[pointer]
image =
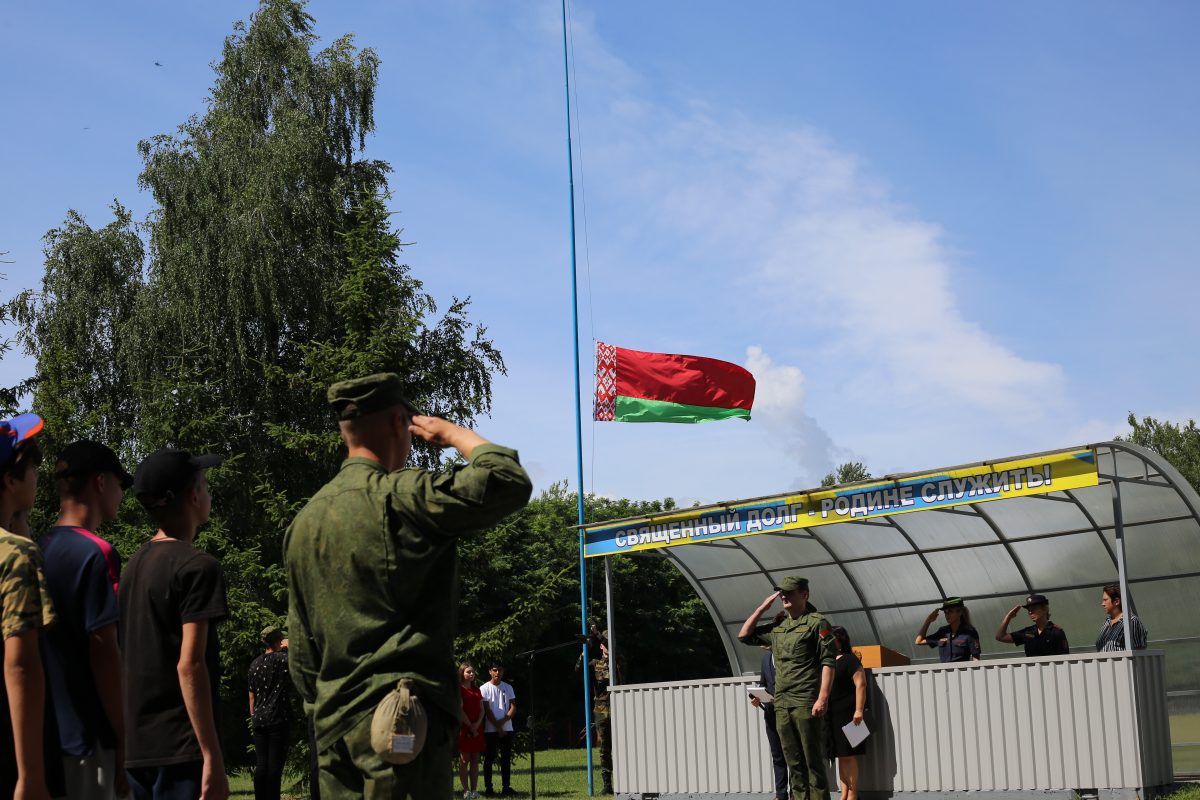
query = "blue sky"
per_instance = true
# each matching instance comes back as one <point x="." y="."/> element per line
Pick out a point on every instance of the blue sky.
<point x="937" y="233"/>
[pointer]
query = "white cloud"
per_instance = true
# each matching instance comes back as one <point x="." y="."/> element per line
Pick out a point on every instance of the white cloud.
<point x="779" y="406"/>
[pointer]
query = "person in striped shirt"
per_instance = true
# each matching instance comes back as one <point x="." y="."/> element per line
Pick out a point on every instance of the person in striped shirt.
<point x="1112" y="632"/>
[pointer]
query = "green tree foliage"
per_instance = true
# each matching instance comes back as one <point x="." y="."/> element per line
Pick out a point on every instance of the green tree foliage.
<point x="850" y="472"/>
<point x="1179" y="444"/>
<point x="520" y="590"/>
<point x="266" y="270"/>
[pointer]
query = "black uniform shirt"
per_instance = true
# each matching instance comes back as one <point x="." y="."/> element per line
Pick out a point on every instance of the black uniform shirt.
<point x="1050" y="642"/>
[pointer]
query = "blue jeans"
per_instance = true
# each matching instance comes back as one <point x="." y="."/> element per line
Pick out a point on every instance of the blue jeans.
<point x="174" y="782"/>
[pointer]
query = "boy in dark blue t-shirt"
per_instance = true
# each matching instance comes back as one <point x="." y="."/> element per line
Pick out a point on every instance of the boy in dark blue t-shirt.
<point x="83" y="660"/>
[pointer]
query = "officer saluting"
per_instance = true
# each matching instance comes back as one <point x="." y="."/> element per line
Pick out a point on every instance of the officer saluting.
<point x="372" y="574"/>
<point x="805" y="655"/>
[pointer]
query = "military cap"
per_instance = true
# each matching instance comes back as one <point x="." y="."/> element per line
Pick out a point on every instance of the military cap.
<point x="1036" y="600"/>
<point x="361" y="396"/>
<point x="792" y="583"/>
<point x="953" y="602"/>
<point x="271" y="633"/>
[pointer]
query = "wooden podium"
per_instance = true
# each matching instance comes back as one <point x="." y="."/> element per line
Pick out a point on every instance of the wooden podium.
<point x="876" y="655"/>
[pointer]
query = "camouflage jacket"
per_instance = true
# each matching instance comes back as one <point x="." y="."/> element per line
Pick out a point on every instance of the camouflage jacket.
<point x="802" y="647"/>
<point x="24" y="598"/>
<point x="373" y="578"/>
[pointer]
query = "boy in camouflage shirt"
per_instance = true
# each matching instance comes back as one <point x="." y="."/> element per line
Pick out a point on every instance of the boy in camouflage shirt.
<point x="25" y="610"/>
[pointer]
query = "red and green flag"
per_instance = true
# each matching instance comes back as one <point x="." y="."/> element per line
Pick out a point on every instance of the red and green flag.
<point x="633" y="386"/>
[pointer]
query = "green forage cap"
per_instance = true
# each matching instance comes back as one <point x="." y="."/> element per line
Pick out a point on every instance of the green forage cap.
<point x="361" y="396"/>
<point x="271" y="633"/>
<point x="793" y="583"/>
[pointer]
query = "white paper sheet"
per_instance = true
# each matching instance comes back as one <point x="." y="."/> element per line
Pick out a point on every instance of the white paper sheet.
<point x="855" y="734"/>
<point x="762" y="694"/>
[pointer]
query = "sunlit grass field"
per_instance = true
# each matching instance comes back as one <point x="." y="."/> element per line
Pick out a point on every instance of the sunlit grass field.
<point x="561" y="774"/>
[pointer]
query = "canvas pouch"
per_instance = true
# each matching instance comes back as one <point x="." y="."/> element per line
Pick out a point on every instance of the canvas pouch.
<point x="399" y="726"/>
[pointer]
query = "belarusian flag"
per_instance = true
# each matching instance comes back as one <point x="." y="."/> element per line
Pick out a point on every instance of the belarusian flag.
<point x="632" y="386"/>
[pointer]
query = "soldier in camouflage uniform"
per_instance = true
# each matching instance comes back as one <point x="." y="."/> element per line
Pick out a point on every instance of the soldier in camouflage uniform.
<point x="25" y="610"/>
<point x="372" y="573"/>
<point x="805" y="654"/>
<point x="600" y="713"/>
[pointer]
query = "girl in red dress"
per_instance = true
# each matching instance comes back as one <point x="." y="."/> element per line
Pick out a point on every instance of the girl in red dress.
<point x="470" y="733"/>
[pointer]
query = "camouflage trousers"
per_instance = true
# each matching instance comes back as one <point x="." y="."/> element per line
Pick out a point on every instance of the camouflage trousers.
<point x="802" y="737"/>
<point x="604" y="741"/>
<point x="351" y="768"/>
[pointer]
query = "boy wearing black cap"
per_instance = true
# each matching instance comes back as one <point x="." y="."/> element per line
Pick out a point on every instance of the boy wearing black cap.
<point x="1043" y="637"/>
<point x="172" y="595"/>
<point x="29" y="763"/>
<point x="83" y="660"/>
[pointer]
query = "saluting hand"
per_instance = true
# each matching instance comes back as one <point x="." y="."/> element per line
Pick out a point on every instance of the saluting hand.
<point x="442" y="433"/>
<point x="1016" y="610"/>
<point x="933" y="615"/>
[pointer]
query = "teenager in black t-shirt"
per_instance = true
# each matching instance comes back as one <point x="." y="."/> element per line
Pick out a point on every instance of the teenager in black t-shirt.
<point x="270" y="713"/>
<point x="172" y="596"/>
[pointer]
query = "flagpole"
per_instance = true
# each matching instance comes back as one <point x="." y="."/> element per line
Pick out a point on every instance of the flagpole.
<point x="583" y="625"/>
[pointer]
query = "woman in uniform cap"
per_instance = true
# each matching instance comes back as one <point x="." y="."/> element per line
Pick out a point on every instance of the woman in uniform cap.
<point x="957" y="640"/>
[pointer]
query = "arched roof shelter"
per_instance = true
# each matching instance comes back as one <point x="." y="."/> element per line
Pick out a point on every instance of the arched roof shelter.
<point x="879" y="575"/>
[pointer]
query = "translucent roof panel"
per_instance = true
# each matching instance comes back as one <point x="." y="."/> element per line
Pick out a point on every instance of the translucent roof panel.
<point x="949" y="528"/>
<point x="1077" y="558"/>
<point x="1166" y="548"/>
<point x="780" y="550"/>
<point x="962" y="572"/>
<point x="896" y="579"/>
<point x="863" y="540"/>
<point x="1022" y="517"/>
<point x="880" y="578"/>
<point x="1141" y="503"/>
<point x="719" y="560"/>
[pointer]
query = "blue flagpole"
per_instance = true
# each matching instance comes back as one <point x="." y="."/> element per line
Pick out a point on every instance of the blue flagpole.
<point x="583" y="625"/>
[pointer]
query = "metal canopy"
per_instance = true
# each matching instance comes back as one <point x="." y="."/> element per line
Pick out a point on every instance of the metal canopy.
<point x="880" y="577"/>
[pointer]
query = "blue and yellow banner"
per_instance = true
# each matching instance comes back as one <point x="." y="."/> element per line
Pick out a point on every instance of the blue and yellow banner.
<point x="1051" y="472"/>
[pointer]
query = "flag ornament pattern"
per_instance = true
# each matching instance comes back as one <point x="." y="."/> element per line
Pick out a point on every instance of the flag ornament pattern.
<point x="635" y="386"/>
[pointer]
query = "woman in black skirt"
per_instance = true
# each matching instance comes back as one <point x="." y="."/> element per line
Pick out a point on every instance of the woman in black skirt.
<point x="847" y="701"/>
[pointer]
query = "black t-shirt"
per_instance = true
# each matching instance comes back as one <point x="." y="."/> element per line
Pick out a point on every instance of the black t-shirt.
<point x="268" y="679"/>
<point x="166" y="584"/>
<point x="1051" y="642"/>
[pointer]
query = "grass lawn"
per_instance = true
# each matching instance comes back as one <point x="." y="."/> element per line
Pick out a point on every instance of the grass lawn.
<point x="561" y="774"/>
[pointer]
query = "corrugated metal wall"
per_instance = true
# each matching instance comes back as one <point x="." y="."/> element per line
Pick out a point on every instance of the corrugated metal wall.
<point x="1083" y="721"/>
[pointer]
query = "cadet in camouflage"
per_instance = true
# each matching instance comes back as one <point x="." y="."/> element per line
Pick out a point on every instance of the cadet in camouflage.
<point x="805" y="655"/>
<point x="25" y="610"/>
<point x="372" y="573"/>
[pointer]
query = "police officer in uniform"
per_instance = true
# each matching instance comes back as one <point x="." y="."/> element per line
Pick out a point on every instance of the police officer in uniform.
<point x="1043" y="637"/>
<point x="372" y="575"/>
<point x="805" y="654"/>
